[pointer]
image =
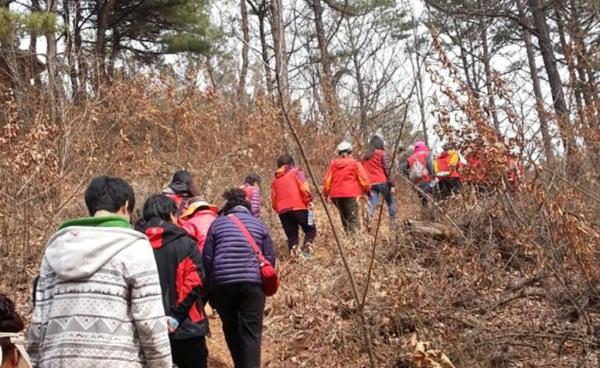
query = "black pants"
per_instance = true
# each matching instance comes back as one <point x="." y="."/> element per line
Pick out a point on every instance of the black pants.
<point x="241" y="310"/>
<point x="293" y="220"/>
<point x="348" y="209"/>
<point x="190" y="353"/>
<point x="448" y="187"/>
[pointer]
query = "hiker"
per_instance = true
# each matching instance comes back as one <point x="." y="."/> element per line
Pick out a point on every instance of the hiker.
<point x="234" y="278"/>
<point x="447" y="168"/>
<point x="197" y="218"/>
<point x="475" y="171"/>
<point x="378" y="169"/>
<point x="515" y="173"/>
<point x="418" y="170"/>
<point x="98" y="296"/>
<point x="12" y="341"/>
<point x="181" y="279"/>
<point x="251" y="186"/>
<point x="181" y="189"/>
<point x="291" y="199"/>
<point x="344" y="181"/>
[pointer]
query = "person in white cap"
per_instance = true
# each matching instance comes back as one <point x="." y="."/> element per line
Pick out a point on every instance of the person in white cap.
<point x="345" y="181"/>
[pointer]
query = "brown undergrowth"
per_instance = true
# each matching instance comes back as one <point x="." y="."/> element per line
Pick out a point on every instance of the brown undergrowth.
<point x="517" y="287"/>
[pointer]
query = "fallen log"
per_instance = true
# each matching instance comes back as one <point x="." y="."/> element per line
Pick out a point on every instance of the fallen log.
<point x="430" y="229"/>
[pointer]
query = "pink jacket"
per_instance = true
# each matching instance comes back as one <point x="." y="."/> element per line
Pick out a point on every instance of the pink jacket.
<point x="198" y="225"/>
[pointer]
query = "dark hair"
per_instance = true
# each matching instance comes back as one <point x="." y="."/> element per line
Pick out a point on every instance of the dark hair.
<point x="10" y="321"/>
<point x="285" y="160"/>
<point x="252" y="179"/>
<point x="109" y="194"/>
<point x="234" y="197"/>
<point x="375" y="143"/>
<point x="159" y="206"/>
<point x="183" y="183"/>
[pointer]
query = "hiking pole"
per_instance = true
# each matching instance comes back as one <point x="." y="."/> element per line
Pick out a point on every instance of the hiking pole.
<point x="363" y="318"/>
<point x="380" y="215"/>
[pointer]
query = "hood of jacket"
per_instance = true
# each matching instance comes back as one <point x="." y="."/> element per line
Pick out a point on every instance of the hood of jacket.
<point x="420" y="146"/>
<point x="81" y="247"/>
<point x="283" y="170"/>
<point x="161" y="232"/>
<point x="342" y="162"/>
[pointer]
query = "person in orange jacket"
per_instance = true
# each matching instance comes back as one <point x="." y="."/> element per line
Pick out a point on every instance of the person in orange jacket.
<point x="291" y="199"/>
<point x="447" y="167"/>
<point x="197" y="218"/>
<point x="345" y="181"/>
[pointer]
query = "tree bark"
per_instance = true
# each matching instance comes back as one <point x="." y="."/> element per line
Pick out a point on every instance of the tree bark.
<point x="104" y="11"/>
<point x="331" y="104"/>
<point x="362" y="98"/>
<point x="78" y="50"/>
<point x="54" y="84"/>
<point x="537" y="89"/>
<point x="281" y="69"/>
<point x="69" y="48"/>
<point x="488" y="77"/>
<point x="260" y="10"/>
<point x="539" y="21"/>
<point x="241" y="92"/>
<point x="35" y="6"/>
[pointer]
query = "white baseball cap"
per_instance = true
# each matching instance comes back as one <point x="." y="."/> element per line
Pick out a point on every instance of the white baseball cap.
<point x="344" y="146"/>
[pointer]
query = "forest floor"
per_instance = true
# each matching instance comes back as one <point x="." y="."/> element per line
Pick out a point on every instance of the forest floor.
<point x="471" y="299"/>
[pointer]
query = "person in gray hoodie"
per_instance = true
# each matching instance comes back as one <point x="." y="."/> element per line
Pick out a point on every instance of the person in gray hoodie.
<point x="98" y="298"/>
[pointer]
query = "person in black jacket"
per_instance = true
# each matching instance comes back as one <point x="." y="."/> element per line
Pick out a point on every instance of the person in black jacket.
<point x="181" y="279"/>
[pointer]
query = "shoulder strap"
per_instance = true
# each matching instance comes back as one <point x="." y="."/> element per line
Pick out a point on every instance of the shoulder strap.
<point x="250" y="238"/>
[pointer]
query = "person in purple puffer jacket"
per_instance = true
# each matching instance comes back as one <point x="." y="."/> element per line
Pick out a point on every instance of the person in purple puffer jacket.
<point x="233" y="276"/>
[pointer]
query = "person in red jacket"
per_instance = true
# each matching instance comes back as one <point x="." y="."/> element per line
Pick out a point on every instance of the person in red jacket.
<point x="251" y="186"/>
<point x="418" y="170"/>
<point x="197" y="218"/>
<point x="182" y="279"/>
<point x="378" y="169"/>
<point x="345" y="181"/>
<point x="291" y="199"/>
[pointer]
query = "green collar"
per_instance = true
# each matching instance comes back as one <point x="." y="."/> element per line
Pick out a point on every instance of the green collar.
<point x="102" y="221"/>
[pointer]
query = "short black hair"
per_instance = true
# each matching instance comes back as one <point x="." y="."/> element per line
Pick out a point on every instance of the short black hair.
<point x="252" y="179"/>
<point x="159" y="206"/>
<point x="109" y="193"/>
<point x="234" y="197"/>
<point x="285" y="160"/>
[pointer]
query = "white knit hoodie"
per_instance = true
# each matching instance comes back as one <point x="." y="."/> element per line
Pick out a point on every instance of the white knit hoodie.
<point x="98" y="302"/>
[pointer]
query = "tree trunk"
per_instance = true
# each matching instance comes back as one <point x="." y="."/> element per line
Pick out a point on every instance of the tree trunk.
<point x="53" y="80"/>
<point x="78" y="50"/>
<point x="69" y="48"/>
<point x="362" y="98"/>
<point x="488" y="77"/>
<point x="558" y="97"/>
<point x="281" y="70"/>
<point x="261" y="13"/>
<point x="332" y="109"/>
<point x="241" y="92"/>
<point x="35" y="6"/>
<point x="583" y="66"/>
<point x="104" y="11"/>
<point x="537" y="89"/>
<point x="570" y="60"/>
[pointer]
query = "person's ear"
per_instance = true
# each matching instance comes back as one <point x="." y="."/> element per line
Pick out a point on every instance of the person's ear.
<point x="173" y="218"/>
<point x="13" y="358"/>
<point x="124" y="210"/>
